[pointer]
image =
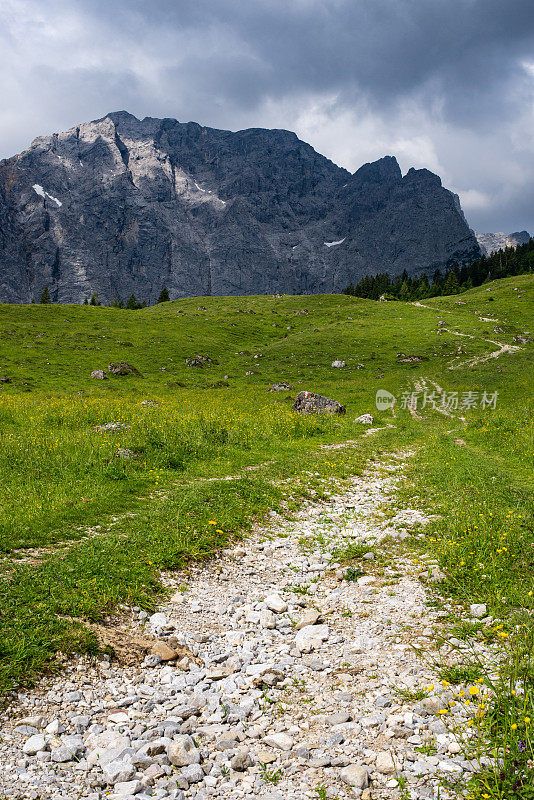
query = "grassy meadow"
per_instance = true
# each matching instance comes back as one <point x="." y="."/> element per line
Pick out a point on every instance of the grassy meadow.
<point x="83" y="530"/>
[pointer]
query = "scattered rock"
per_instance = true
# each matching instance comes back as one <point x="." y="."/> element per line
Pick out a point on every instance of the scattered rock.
<point x="403" y="359"/>
<point x="99" y="375"/>
<point x="311" y="637"/>
<point x="241" y="761"/>
<point x="385" y="764"/>
<point x="310" y="617"/>
<point x="199" y="360"/>
<point x="355" y="775"/>
<point x="281" y="387"/>
<point x="309" y="402"/>
<point x="193" y="773"/>
<point x="364" y="419"/>
<point x="478" y="610"/>
<point x="268" y="620"/>
<point x="118" y="771"/>
<point x="165" y="652"/>
<point x="338" y="364"/>
<point x="275" y="603"/>
<point x="35" y="744"/>
<point x="112" y="427"/>
<point x="120" y="368"/>
<point x="123" y="452"/>
<point x="282" y="741"/>
<point x="182" y="752"/>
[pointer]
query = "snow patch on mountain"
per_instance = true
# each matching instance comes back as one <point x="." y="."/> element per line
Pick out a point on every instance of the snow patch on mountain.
<point x="38" y="189"/>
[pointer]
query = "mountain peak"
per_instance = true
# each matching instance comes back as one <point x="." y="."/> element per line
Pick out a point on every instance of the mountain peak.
<point x="123" y="205"/>
<point x="385" y="169"/>
<point x="121" y="116"/>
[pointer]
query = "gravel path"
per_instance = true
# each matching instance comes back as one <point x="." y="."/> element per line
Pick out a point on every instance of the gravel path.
<point x="273" y="676"/>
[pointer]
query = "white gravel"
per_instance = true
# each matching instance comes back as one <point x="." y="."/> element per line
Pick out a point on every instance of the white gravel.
<point x="275" y="709"/>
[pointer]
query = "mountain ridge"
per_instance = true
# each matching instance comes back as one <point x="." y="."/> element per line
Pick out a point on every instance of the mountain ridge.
<point x="125" y="206"/>
<point x="492" y="242"/>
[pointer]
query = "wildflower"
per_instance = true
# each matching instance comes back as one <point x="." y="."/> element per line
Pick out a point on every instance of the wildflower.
<point x="212" y="522"/>
<point x="527" y="720"/>
<point x="513" y="726"/>
<point x="473" y="690"/>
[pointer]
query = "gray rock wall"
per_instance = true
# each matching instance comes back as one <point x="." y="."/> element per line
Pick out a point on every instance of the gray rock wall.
<point x="122" y="205"/>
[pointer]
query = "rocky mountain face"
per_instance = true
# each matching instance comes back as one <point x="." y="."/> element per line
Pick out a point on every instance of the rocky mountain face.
<point x="492" y="242"/>
<point x="122" y="205"/>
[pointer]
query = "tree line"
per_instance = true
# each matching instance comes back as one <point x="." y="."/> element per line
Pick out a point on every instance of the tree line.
<point x="131" y="304"/>
<point x="456" y="279"/>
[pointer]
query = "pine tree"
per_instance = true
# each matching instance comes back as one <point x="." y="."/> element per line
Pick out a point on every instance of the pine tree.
<point x="85" y="301"/>
<point x="131" y="303"/>
<point x="404" y="292"/>
<point x="94" y="301"/>
<point x="45" y="296"/>
<point x="164" y="296"/>
<point x="451" y="285"/>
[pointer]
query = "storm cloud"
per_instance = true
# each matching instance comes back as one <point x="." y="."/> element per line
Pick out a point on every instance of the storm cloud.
<point x="445" y="84"/>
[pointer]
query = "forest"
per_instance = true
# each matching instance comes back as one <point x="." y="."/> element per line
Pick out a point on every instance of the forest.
<point x="458" y="278"/>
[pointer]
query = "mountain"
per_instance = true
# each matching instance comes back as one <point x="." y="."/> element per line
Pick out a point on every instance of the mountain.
<point x="123" y="205"/>
<point x="491" y="242"/>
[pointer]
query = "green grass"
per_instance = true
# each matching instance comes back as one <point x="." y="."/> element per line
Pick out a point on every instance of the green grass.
<point x="482" y="490"/>
<point x="97" y="528"/>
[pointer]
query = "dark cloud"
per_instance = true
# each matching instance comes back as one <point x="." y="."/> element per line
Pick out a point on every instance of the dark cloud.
<point x="440" y="82"/>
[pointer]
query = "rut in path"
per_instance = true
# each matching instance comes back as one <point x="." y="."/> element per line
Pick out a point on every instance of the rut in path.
<point x="472" y="362"/>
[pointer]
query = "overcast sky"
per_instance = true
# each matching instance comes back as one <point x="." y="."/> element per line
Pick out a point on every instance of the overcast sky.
<point x="442" y="84"/>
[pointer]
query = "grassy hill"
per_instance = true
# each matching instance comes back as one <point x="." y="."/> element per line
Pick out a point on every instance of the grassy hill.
<point x="54" y="348"/>
<point x="83" y="529"/>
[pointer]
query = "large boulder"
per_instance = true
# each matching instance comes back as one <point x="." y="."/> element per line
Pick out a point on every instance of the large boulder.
<point x="309" y="402"/>
<point x="122" y="368"/>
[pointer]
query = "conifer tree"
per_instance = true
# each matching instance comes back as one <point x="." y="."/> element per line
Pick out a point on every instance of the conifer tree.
<point x="45" y="296"/>
<point x="164" y="296"/>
